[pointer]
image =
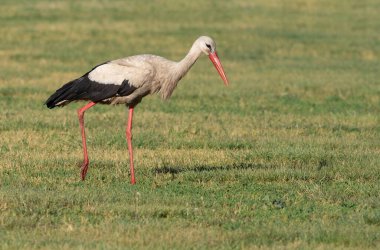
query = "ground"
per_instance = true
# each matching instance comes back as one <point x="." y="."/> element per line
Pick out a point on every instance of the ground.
<point x="287" y="156"/>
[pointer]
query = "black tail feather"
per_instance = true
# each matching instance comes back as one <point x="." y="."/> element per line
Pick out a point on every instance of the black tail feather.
<point x="63" y="94"/>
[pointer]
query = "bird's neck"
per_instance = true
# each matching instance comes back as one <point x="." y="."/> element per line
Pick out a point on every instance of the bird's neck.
<point x="178" y="71"/>
<point x="188" y="61"/>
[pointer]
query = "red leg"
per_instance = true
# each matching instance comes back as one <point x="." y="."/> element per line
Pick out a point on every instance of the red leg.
<point x="85" y="163"/>
<point x="128" y="133"/>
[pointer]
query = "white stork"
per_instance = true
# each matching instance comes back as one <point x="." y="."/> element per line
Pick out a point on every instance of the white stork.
<point x="127" y="81"/>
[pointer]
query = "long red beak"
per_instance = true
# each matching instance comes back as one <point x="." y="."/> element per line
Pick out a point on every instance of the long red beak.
<point x="215" y="60"/>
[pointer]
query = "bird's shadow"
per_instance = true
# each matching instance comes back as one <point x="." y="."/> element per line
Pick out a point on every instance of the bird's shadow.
<point x="209" y="168"/>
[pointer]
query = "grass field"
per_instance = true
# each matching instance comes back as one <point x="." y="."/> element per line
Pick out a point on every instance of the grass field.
<point x="288" y="156"/>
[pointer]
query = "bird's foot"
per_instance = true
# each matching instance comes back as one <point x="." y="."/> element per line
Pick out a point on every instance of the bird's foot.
<point x="84" y="169"/>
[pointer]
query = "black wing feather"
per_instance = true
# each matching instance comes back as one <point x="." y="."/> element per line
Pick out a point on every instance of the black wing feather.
<point x="85" y="89"/>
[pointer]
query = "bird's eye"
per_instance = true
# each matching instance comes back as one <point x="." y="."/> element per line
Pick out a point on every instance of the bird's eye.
<point x="208" y="46"/>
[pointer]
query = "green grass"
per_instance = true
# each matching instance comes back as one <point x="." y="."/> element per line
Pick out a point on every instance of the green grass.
<point x="286" y="157"/>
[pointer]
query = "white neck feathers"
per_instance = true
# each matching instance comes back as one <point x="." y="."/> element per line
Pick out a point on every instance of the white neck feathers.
<point x="179" y="70"/>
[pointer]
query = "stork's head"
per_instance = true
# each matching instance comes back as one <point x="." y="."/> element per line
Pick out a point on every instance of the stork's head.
<point x="206" y="44"/>
<point x="208" y="47"/>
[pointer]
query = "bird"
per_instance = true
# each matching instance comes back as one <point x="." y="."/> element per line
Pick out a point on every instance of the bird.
<point x="126" y="81"/>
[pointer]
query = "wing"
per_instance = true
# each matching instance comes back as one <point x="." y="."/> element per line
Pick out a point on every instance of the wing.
<point x="111" y="79"/>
